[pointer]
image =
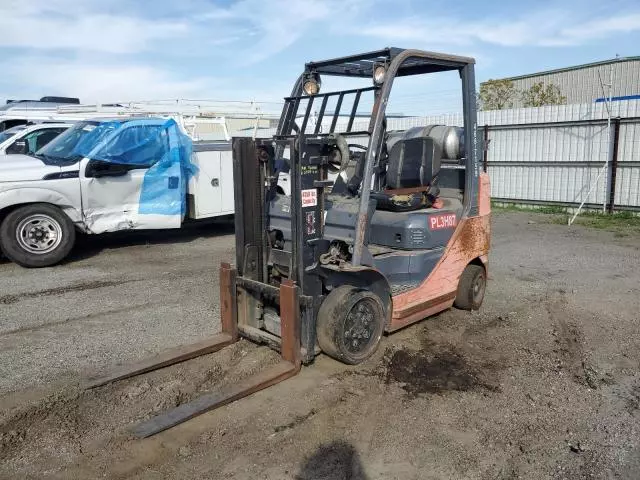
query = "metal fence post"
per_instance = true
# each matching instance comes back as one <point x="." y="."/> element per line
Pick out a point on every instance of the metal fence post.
<point x="485" y="148"/>
<point x="613" y="168"/>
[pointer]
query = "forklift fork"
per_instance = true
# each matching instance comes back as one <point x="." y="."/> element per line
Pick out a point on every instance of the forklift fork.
<point x="286" y="368"/>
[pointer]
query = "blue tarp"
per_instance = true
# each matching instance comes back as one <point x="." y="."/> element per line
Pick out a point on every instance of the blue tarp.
<point x="156" y="144"/>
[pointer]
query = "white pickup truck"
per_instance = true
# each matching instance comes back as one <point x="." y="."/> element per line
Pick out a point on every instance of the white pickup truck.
<point x="27" y="139"/>
<point x="104" y="176"/>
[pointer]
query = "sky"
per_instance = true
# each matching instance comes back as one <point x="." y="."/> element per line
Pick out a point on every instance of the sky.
<point x="253" y="50"/>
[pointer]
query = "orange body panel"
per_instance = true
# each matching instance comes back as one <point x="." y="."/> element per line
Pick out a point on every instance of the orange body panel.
<point x="484" y="195"/>
<point x="470" y="240"/>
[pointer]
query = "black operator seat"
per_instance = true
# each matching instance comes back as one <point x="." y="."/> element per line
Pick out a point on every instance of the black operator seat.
<point x="412" y="167"/>
<point x="405" y="217"/>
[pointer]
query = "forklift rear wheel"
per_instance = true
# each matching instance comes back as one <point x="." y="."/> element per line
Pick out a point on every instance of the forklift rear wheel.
<point x="350" y="324"/>
<point x="471" y="288"/>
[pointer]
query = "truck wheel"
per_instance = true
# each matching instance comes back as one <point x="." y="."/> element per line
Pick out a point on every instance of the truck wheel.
<point x="350" y="324"/>
<point x="37" y="235"/>
<point x="471" y="287"/>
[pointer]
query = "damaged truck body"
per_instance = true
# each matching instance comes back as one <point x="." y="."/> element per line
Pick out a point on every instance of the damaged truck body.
<point x="105" y="176"/>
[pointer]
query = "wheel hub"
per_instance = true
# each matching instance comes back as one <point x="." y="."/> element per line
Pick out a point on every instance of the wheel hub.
<point x="39" y="234"/>
<point x="359" y="326"/>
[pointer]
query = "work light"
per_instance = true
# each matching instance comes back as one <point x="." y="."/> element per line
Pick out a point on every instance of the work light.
<point x="379" y="72"/>
<point x="311" y="85"/>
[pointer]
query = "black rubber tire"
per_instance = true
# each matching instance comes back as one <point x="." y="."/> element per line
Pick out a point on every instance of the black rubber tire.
<point x="471" y="288"/>
<point x="333" y="319"/>
<point x="16" y="253"/>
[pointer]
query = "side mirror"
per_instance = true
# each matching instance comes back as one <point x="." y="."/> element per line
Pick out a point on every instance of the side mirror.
<point x="98" y="169"/>
<point x="18" y="147"/>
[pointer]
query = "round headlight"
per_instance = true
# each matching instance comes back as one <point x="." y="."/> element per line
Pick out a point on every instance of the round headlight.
<point x="311" y="83"/>
<point x="378" y="74"/>
<point x="311" y="87"/>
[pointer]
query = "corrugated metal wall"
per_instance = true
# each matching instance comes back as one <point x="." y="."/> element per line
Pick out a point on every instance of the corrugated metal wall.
<point x="556" y="154"/>
<point x="551" y="154"/>
<point x="585" y="84"/>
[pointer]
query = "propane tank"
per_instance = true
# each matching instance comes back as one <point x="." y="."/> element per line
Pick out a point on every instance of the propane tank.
<point x="450" y="140"/>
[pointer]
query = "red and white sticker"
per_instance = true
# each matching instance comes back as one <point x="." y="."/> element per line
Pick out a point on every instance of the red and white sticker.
<point x="442" y="221"/>
<point x="309" y="197"/>
<point x="311" y="222"/>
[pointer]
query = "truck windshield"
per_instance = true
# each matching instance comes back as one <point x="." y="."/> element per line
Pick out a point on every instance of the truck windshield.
<point x="72" y="145"/>
<point x="7" y="134"/>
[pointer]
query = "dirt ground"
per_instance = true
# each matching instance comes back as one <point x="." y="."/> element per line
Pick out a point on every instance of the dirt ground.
<point x="542" y="383"/>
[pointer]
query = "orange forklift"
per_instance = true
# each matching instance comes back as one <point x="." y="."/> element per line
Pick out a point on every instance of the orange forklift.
<point x="382" y="228"/>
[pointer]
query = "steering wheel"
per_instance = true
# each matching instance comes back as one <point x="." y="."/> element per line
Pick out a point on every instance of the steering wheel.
<point x="355" y="145"/>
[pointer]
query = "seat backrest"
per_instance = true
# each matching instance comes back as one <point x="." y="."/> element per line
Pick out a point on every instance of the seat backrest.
<point x="413" y="162"/>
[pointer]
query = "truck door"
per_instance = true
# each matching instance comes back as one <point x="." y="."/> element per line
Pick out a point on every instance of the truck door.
<point x="212" y="186"/>
<point x="133" y="181"/>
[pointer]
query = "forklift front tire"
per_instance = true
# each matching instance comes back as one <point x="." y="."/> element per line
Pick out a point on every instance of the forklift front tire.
<point x="350" y="324"/>
<point x="471" y="287"/>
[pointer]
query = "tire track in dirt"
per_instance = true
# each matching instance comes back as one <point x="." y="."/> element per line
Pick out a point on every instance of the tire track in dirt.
<point x="85" y="422"/>
<point x="89" y="316"/>
<point x="78" y="287"/>
<point x="570" y="341"/>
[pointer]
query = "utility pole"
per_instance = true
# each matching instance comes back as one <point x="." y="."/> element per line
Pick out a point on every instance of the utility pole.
<point x="607" y="186"/>
<point x="606" y="168"/>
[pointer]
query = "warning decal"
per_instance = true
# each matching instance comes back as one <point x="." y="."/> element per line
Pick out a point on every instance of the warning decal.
<point x="311" y="222"/>
<point x="442" y="221"/>
<point x="309" y="197"/>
